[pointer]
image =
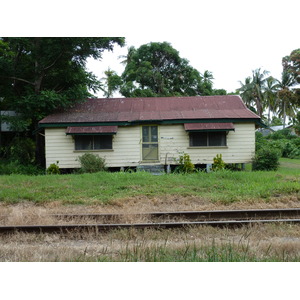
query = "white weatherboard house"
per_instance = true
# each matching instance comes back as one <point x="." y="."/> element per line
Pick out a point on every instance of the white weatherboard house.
<point x="138" y="132"/>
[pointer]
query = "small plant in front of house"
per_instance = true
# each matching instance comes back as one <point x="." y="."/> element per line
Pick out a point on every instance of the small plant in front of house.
<point x="91" y="163"/>
<point x="53" y="169"/>
<point x="218" y="164"/>
<point x="185" y="164"/>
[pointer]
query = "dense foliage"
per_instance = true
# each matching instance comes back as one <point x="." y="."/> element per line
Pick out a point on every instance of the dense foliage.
<point x="283" y="141"/>
<point x="156" y="70"/>
<point x="40" y="75"/>
<point x="268" y="96"/>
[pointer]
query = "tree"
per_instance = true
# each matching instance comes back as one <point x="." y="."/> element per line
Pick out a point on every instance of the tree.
<point x="112" y="83"/>
<point x="41" y="75"/>
<point x="156" y="69"/>
<point x="285" y="94"/>
<point x="258" y="82"/>
<point x="291" y="64"/>
<point x="245" y="91"/>
<point x="253" y="90"/>
<point x="270" y="96"/>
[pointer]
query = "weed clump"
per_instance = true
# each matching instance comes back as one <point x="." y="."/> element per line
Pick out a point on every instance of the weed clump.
<point x="218" y="164"/>
<point x="185" y="164"/>
<point x="53" y="169"/>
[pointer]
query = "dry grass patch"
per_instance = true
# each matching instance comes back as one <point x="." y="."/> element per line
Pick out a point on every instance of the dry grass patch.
<point x="257" y="243"/>
<point x="28" y="213"/>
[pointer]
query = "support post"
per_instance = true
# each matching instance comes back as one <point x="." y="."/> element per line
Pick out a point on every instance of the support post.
<point x="208" y="168"/>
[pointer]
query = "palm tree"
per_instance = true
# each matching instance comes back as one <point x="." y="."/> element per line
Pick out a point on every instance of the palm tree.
<point x="127" y="58"/>
<point x="208" y="77"/>
<point x="245" y="92"/>
<point x="258" y="83"/>
<point x="253" y="90"/>
<point x="270" y="94"/>
<point x="286" y="107"/>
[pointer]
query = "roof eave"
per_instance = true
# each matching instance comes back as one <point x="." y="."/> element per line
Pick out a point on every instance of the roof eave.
<point x="161" y="122"/>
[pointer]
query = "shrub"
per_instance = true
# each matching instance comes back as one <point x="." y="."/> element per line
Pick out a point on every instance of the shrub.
<point x="185" y="164"/>
<point x="266" y="159"/>
<point x="22" y="150"/>
<point x="91" y="163"/>
<point x="218" y="164"/>
<point x="53" y="169"/>
<point x="14" y="167"/>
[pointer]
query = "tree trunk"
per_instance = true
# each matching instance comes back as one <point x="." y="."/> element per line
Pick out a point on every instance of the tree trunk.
<point x="40" y="150"/>
<point x="284" y="114"/>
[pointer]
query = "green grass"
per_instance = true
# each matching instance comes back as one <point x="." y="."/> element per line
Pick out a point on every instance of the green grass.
<point x="103" y="187"/>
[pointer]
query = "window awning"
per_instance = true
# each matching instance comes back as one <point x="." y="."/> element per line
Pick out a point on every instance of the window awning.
<point x="94" y="130"/>
<point x="208" y="127"/>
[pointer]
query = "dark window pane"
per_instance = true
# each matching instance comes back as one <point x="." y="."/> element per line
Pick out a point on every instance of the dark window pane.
<point x="83" y="142"/>
<point x="102" y="142"/>
<point x="217" y="139"/>
<point x="198" y="139"/>
<point x="154" y="136"/>
<point x="204" y="139"/>
<point x="146" y="137"/>
<point x="90" y="142"/>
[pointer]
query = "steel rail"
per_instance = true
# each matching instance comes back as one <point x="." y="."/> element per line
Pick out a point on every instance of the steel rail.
<point x="192" y="215"/>
<point x="107" y="227"/>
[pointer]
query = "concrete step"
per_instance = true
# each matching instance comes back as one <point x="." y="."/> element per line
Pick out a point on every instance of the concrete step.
<point x="153" y="169"/>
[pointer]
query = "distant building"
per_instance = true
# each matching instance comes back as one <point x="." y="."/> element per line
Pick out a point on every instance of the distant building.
<point x="5" y="126"/>
<point x="272" y="129"/>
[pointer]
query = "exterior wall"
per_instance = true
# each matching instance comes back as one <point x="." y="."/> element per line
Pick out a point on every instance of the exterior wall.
<point x="240" y="145"/>
<point x="173" y="142"/>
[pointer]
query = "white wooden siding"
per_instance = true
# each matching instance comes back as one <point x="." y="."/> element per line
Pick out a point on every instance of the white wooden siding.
<point x="173" y="142"/>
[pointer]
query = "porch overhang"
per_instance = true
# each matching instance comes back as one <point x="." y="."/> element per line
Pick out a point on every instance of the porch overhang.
<point x="92" y="130"/>
<point x="208" y="127"/>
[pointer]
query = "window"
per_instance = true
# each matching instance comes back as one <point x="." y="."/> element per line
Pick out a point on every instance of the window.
<point x="93" y="142"/>
<point x="207" y="139"/>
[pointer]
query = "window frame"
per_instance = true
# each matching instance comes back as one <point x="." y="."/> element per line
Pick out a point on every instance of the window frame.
<point x="92" y="137"/>
<point x="209" y="135"/>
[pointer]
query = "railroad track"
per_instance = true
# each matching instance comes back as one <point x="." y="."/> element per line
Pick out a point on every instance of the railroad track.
<point x="165" y="220"/>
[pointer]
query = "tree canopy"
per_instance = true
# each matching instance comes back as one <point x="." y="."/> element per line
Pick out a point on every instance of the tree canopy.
<point x="156" y="69"/>
<point x="279" y="97"/>
<point x="40" y="75"/>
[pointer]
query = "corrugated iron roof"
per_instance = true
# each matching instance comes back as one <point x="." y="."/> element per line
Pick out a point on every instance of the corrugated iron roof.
<point x="208" y="126"/>
<point x="92" y="130"/>
<point x="147" y="109"/>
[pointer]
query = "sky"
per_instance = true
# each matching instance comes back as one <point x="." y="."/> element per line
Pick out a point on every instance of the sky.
<point x="228" y="38"/>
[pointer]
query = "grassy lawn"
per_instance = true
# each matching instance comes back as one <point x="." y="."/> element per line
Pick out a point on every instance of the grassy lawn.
<point x="224" y="187"/>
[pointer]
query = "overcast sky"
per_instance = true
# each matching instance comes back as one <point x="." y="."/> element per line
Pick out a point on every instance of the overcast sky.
<point x="228" y="38"/>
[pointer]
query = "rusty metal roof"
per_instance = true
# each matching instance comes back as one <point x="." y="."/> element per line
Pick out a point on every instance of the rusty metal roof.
<point x="208" y="126"/>
<point x="116" y="110"/>
<point x="92" y="130"/>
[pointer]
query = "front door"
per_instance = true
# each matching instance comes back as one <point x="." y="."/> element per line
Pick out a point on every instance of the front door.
<point x="149" y="143"/>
